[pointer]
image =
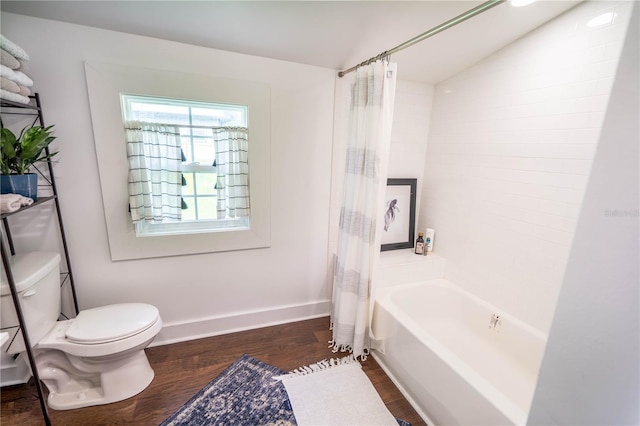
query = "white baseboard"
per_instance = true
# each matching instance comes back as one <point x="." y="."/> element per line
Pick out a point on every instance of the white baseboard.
<point x="214" y="326"/>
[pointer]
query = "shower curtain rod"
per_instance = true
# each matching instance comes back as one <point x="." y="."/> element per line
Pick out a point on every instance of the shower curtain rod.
<point x="433" y="31"/>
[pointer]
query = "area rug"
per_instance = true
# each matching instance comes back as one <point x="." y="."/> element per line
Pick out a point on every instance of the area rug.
<point x="243" y="394"/>
<point x="247" y="394"/>
<point x="335" y="392"/>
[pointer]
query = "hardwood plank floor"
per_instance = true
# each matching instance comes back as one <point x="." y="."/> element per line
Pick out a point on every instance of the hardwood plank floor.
<point x="182" y="369"/>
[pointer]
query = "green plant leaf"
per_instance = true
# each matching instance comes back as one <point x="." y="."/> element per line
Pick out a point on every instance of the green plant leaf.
<point x="18" y="154"/>
<point x="7" y="149"/>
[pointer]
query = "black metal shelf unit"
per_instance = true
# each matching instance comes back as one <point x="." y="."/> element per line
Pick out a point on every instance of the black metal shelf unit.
<point x="33" y="109"/>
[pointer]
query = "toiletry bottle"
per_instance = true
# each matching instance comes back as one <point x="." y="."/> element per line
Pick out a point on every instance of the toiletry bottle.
<point x="420" y="244"/>
<point x="428" y="247"/>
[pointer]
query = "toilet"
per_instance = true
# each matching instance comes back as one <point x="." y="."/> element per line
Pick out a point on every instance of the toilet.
<point x="96" y="358"/>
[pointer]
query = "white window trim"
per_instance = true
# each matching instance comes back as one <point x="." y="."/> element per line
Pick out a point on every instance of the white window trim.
<point x="150" y="229"/>
<point x="105" y="82"/>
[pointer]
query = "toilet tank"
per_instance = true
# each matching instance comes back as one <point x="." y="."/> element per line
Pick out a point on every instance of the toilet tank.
<point x="37" y="280"/>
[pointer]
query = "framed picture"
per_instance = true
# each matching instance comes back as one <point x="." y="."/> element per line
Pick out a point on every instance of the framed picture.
<point x="399" y="215"/>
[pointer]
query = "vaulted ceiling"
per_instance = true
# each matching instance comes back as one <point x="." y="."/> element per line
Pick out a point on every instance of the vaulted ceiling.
<point x="330" y="34"/>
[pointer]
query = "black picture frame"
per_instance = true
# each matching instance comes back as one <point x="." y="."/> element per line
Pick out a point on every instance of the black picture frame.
<point x="399" y="219"/>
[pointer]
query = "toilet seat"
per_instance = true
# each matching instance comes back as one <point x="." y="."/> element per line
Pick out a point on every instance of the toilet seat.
<point x="57" y="339"/>
<point x="111" y="323"/>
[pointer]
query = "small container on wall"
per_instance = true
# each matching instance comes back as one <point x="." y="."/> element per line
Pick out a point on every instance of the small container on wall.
<point x="428" y="245"/>
<point x="420" y="244"/>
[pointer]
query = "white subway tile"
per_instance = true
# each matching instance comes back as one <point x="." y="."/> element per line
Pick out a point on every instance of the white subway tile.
<point x="592" y="103"/>
<point x="598" y="70"/>
<point x="603" y="86"/>
<point x="595" y="53"/>
<point x="511" y="144"/>
<point x="585" y="135"/>
<point x="612" y="51"/>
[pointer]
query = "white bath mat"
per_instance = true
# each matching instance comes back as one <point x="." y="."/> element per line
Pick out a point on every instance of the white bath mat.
<point x="335" y="392"/>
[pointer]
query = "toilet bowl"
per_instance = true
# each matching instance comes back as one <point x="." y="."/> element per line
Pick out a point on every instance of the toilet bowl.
<point x="97" y="357"/>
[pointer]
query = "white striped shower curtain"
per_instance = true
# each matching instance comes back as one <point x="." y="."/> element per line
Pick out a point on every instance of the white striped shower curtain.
<point x="370" y="118"/>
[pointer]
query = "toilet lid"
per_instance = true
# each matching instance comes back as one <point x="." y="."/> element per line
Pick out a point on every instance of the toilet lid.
<point x="110" y="323"/>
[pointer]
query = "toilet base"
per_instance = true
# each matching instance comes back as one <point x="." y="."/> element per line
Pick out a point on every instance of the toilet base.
<point x="111" y="381"/>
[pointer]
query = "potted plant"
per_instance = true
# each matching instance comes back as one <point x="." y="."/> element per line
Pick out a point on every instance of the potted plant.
<point x="18" y="155"/>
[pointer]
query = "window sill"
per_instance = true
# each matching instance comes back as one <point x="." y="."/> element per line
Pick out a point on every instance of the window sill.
<point x="145" y="229"/>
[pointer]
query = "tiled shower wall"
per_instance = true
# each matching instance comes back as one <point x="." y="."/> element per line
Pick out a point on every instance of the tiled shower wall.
<point x="409" y="132"/>
<point x="510" y="149"/>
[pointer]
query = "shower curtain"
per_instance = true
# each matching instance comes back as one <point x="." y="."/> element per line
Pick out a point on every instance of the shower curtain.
<point x="358" y="245"/>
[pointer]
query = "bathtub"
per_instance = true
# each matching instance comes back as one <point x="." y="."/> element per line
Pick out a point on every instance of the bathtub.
<point x="457" y="359"/>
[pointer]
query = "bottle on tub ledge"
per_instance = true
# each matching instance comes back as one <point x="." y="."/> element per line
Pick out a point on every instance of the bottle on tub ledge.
<point x="420" y="248"/>
<point x="428" y="245"/>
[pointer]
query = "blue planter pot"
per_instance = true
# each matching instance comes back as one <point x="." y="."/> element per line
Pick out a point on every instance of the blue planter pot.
<point x="25" y="185"/>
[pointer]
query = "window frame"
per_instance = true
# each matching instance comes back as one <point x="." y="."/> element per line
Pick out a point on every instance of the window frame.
<point x="105" y="81"/>
<point x="188" y="226"/>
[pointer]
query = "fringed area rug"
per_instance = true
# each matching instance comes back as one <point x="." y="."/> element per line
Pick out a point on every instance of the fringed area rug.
<point x="336" y="392"/>
<point x="247" y="394"/>
<point x="243" y="394"/>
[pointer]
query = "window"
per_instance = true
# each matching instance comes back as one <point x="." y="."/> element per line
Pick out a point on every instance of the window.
<point x="105" y="84"/>
<point x="199" y="125"/>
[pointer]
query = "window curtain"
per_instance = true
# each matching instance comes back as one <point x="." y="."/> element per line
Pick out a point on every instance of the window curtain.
<point x="358" y="248"/>
<point x="232" y="166"/>
<point x="155" y="175"/>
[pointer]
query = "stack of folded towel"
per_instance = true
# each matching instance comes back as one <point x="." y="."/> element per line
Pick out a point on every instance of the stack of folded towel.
<point x="14" y="82"/>
<point x="11" y="202"/>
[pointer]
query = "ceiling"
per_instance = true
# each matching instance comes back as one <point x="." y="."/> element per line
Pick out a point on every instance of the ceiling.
<point x="330" y="34"/>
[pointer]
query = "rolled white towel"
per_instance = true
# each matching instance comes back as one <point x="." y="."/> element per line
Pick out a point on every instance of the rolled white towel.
<point x="12" y="202"/>
<point x="15" y="97"/>
<point x="17" y="76"/>
<point x="9" y="85"/>
<point x="24" y="66"/>
<point x="23" y="79"/>
<point x="24" y="91"/>
<point x="7" y="59"/>
<point x="15" y="50"/>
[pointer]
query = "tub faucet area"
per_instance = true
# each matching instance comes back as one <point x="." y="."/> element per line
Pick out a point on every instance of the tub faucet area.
<point x="495" y="321"/>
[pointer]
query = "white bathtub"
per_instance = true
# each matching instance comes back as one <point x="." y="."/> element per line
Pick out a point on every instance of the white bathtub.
<point x="452" y="359"/>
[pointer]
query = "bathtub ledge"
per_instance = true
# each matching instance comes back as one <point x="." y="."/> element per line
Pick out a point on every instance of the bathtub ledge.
<point x="404" y="266"/>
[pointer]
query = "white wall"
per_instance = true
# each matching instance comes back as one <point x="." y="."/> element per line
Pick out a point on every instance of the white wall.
<point x="199" y="294"/>
<point x="590" y="374"/>
<point x="510" y="150"/>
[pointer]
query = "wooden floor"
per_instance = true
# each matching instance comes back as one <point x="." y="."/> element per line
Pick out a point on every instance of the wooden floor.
<point x="182" y="369"/>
